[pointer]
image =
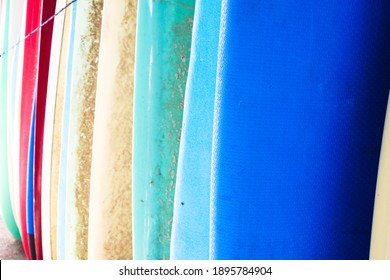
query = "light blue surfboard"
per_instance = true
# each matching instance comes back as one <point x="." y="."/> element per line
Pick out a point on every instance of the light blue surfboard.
<point x="190" y="232"/>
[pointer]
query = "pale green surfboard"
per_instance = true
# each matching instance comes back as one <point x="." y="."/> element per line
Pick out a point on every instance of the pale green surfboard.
<point x="110" y="194"/>
<point x="82" y="113"/>
<point x="15" y="67"/>
<point x="5" y="198"/>
<point x="162" y="56"/>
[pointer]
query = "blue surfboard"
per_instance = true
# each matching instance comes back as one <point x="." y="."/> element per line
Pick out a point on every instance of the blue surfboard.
<point x="190" y="232"/>
<point x="300" y="107"/>
<point x="30" y="185"/>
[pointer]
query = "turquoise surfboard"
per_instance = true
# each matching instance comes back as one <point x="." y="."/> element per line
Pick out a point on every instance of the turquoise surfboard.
<point x="162" y="57"/>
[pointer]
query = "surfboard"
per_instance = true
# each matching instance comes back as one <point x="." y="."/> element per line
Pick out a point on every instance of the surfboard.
<point x="49" y="128"/>
<point x="62" y="184"/>
<point x="30" y="184"/>
<point x="82" y="113"/>
<point x="48" y="10"/>
<point x="30" y="71"/>
<point x="57" y="129"/>
<point x="110" y="211"/>
<point x="17" y="24"/>
<point x="380" y="236"/>
<point x="162" y="57"/>
<point x="190" y="235"/>
<point x="16" y="113"/>
<point x="5" y="197"/>
<point x="297" y="129"/>
<point x="1" y="38"/>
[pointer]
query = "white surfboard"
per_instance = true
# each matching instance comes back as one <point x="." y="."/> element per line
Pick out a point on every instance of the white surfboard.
<point x="380" y="236"/>
<point x="82" y="112"/>
<point x="49" y="127"/>
<point x="17" y="113"/>
<point x="110" y="215"/>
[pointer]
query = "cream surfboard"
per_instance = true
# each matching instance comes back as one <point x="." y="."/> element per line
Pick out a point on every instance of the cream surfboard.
<point x="110" y="218"/>
<point x="82" y="111"/>
<point x="62" y="184"/>
<point x="57" y="130"/>
<point x="380" y="236"/>
<point x="49" y="126"/>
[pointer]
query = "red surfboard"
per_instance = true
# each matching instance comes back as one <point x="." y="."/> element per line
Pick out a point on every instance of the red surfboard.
<point x="30" y="72"/>
<point x="48" y="10"/>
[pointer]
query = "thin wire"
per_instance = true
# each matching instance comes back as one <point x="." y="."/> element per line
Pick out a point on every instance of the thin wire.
<point x="36" y="29"/>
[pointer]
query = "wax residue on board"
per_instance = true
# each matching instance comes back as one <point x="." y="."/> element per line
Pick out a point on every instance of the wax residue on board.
<point x="171" y="121"/>
<point x="90" y="46"/>
<point x="118" y="217"/>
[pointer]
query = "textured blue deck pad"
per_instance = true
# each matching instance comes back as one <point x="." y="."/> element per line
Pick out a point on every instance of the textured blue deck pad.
<point x="190" y="233"/>
<point x="300" y="107"/>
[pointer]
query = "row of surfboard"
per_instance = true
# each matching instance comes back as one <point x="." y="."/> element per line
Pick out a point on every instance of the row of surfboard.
<point x="256" y="131"/>
<point x="50" y="96"/>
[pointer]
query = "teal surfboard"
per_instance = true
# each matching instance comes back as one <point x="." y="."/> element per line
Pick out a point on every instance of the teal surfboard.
<point x="162" y="57"/>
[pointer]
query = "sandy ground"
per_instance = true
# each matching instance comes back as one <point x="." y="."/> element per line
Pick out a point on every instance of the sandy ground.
<point x="10" y="248"/>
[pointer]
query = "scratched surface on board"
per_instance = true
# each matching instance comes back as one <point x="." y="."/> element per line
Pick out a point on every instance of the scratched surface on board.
<point x="82" y="108"/>
<point x="110" y="235"/>
<point x="162" y="65"/>
<point x="117" y="245"/>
